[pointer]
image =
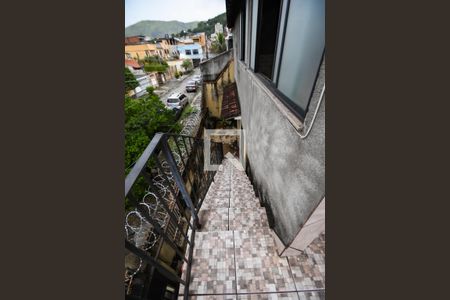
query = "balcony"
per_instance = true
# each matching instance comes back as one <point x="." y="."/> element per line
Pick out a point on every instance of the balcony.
<point x="196" y="234"/>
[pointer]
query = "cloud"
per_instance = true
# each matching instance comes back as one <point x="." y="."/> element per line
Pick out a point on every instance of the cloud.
<point x="169" y="10"/>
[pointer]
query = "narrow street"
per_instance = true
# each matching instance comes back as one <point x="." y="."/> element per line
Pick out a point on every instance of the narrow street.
<point x="177" y="86"/>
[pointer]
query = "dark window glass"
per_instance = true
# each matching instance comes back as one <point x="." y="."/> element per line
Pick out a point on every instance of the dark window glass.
<point x="303" y="48"/>
<point x="195" y="51"/>
<point x="188" y="52"/>
<point x="268" y="20"/>
<point x="242" y="25"/>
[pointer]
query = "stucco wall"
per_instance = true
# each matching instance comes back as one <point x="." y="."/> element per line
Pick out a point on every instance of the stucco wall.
<point x="288" y="172"/>
<point x="217" y="73"/>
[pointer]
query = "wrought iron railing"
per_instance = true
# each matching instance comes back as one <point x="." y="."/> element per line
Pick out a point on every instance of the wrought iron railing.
<point x="164" y="191"/>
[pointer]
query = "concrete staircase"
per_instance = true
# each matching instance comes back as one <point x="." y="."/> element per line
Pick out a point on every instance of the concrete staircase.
<point x="235" y="255"/>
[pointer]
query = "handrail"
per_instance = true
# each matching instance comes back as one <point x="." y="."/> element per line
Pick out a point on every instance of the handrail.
<point x="170" y="161"/>
<point x="141" y="162"/>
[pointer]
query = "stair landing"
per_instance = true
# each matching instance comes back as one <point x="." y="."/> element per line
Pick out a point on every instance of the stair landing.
<point x="235" y="255"/>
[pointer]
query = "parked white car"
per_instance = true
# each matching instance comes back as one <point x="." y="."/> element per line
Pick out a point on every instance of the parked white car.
<point x="177" y="101"/>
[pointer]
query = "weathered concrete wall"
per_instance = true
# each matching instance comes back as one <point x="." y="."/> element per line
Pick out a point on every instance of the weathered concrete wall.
<point x="212" y="67"/>
<point x="287" y="171"/>
<point x="217" y="73"/>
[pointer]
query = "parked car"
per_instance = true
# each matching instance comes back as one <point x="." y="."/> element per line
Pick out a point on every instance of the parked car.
<point x="191" y="86"/>
<point x="197" y="79"/>
<point x="177" y="101"/>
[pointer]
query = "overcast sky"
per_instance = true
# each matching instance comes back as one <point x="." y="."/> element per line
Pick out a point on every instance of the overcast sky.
<point x="169" y="10"/>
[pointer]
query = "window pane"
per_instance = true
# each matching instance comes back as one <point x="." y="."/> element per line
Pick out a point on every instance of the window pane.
<point x="254" y="20"/>
<point x="267" y="36"/>
<point x="304" y="44"/>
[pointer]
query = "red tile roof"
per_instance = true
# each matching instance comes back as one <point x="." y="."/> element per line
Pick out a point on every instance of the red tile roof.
<point x="132" y="40"/>
<point x="230" y="102"/>
<point x="132" y="63"/>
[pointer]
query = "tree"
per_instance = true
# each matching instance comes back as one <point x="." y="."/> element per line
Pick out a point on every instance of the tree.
<point x="143" y="118"/>
<point x="219" y="45"/>
<point x="187" y="64"/>
<point x="130" y="81"/>
<point x="155" y="64"/>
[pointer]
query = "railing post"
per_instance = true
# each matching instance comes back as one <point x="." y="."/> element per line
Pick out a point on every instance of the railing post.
<point x="179" y="180"/>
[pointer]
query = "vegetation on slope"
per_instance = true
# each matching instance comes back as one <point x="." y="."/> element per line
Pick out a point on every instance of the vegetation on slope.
<point x="155" y="29"/>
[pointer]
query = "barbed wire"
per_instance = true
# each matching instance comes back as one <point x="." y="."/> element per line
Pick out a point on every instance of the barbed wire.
<point x="137" y="228"/>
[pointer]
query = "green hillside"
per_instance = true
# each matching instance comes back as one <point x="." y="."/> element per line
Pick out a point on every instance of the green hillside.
<point x="208" y="26"/>
<point x="156" y="29"/>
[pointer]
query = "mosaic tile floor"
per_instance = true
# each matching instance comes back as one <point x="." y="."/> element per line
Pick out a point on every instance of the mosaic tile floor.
<point x="235" y="255"/>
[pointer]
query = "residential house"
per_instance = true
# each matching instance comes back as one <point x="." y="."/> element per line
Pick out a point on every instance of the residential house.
<point x="140" y="51"/>
<point x="263" y="209"/>
<point x="279" y="67"/>
<point x="191" y="51"/>
<point x="280" y="96"/>
<point x="218" y="28"/>
<point x="144" y="79"/>
<point x="137" y="39"/>
<point x="200" y="38"/>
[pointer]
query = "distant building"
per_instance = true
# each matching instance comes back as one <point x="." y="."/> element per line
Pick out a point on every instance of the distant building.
<point x="193" y="51"/>
<point x="140" y="51"/>
<point x="137" y="39"/>
<point x="145" y="80"/>
<point x="218" y="28"/>
<point x="200" y="38"/>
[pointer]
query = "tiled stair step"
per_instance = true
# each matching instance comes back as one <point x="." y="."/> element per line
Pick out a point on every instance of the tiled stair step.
<point x="240" y="261"/>
<point x="214" y="219"/>
<point x="222" y="219"/>
<point x="214" y="192"/>
<point x="221" y="184"/>
<point x="242" y="218"/>
<point x="242" y="189"/>
<point x="214" y="201"/>
<point x="244" y="201"/>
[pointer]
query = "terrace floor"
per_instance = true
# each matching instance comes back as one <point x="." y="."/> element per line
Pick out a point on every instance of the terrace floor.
<point x="235" y="255"/>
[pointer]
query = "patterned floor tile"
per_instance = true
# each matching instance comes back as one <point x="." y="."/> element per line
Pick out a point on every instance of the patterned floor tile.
<point x="235" y="252"/>
<point x="238" y="191"/>
<point x="244" y="200"/>
<point x="214" y="219"/>
<point x="316" y="295"/>
<point x="213" y="270"/>
<point x="309" y="269"/>
<point x="215" y="192"/>
<point x="254" y="243"/>
<point x="211" y="297"/>
<point x="246" y="218"/>
<point x="263" y="274"/>
<point x="271" y="296"/>
<point x="258" y="267"/>
<point x="217" y="202"/>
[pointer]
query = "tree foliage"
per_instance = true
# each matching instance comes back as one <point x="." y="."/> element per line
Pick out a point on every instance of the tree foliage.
<point x="187" y="64"/>
<point x="143" y="118"/>
<point x="208" y="26"/>
<point x="130" y="81"/>
<point x="155" y="64"/>
<point x="219" y="45"/>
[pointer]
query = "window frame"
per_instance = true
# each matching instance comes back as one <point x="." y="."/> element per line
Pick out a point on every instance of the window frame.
<point x="195" y="50"/>
<point x="272" y="84"/>
<point x="243" y="24"/>
<point x="186" y="52"/>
